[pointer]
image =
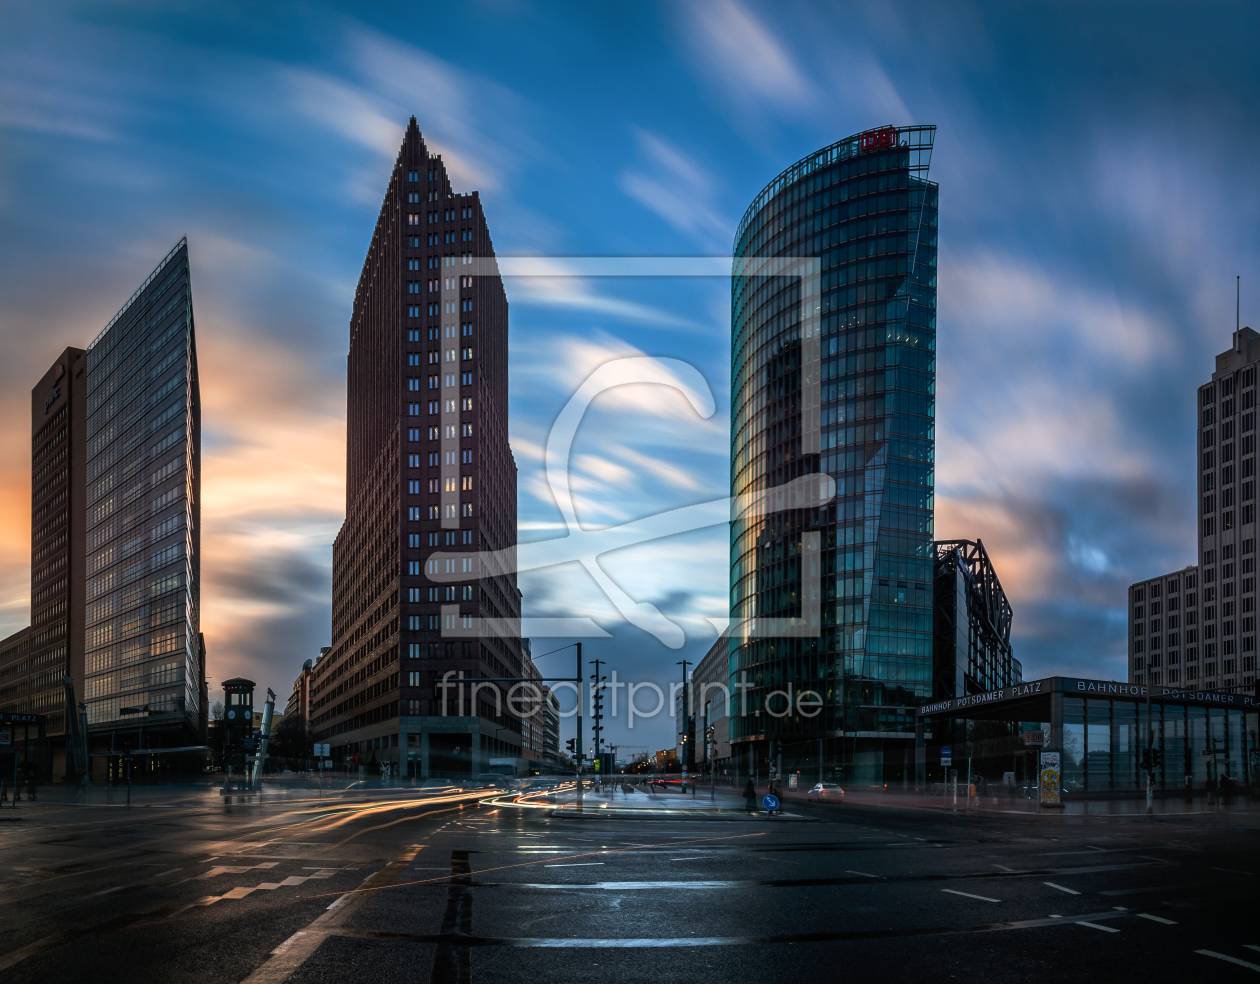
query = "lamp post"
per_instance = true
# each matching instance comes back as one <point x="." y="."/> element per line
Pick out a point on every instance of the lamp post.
<point x="684" y="663"/>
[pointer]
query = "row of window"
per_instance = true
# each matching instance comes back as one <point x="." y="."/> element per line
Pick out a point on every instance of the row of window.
<point x="437" y="458"/>
<point x="413" y="409"/>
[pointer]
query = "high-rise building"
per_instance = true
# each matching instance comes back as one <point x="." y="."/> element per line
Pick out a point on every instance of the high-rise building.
<point x="1206" y="638"/>
<point x="144" y="659"/>
<point x="54" y="646"/>
<point x="833" y="372"/>
<point x="1164" y="630"/>
<point x="430" y="485"/>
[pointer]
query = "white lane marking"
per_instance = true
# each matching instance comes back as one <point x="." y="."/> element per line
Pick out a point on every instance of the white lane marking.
<point x="1003" y="867"/>
<point x="1226" y="957"/>
<point x="162" y="874"/>
<point x="982" y="898"/>
<point x="688" y="859"/>
<point x="1251" y="946"/>
<point x="1231" y="871"/>
<point x="579" y="864"/>
<point x="1093" y="848"/>
<point x="1070" y="891"/>
<point x="1121" y="908"/>
<point x="1105" y="929"/>
<point x="1158" y="919"/>
<point x="864" y="874"/>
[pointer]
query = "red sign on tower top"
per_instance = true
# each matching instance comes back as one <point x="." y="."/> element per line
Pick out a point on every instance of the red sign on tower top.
<point x="885" y="136"/>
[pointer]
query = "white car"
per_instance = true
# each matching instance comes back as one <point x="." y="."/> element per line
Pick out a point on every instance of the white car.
<point x="825" y="792"/>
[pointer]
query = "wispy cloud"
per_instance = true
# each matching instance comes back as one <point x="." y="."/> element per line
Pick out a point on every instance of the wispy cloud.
<point x="746" y="60"/>
<point x="678" y="191"/>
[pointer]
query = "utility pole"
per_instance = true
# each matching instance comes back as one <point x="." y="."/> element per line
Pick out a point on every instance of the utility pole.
<point x="684" y="663"/>
<point x="577" y="744"/>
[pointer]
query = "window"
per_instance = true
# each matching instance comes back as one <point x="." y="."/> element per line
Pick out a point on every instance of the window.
<point x="413" y="540"/>
<point x="467" y="509"/>
<point x="413" y="311"/>
<point x="413" y="621"/>
<point x="413" y="678"/>
<point x="433" y="406"/>
<point x="413" y="409"/>
<point x="413" y="487"/>
<point x="467" y="379"/>
<point x="466" y="483"/>
<point x="433" y="460"/>
<point x="413" y="176"/>
<point x="413" y="358"/>
<point x="413" y="461"/>
<point x="465" y="430"/>
<point x="413" y="567"/>
<point x="413" y="513"/>
<point x="434" y="512"/>
<point x="433" y="382"/>
<point x="466" y="328"/>
<point x="466" y="354"/>
<point x="466" y="457"/>
<point x="433" y="433"/>
<point x="413" y="264"/>
<point x="433" y="485"/>
<point x="413" y="594"/>
<point x="466" y="403"/>
<point x="413" y="434"/>
<point x="413" y="334"/>
<point x="413" y="382"/>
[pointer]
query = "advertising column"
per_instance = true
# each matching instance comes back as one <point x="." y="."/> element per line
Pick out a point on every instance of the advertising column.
<point x="1049" y="776"/>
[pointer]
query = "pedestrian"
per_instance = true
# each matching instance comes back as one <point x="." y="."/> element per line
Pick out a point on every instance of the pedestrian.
<point x="971" y="793"/>
<point x="776" y="790"/>
<point x="750" y="796"/>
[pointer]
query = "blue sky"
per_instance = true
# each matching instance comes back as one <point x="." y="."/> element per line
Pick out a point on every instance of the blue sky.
<point x="1097" y="167"/>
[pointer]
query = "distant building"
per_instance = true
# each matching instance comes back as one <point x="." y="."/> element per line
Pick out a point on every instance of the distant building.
<point x="144" y="661"/>
<point x="971" y="643"/>
<point x="710" y="699"/>
<point x="1164" y="630"/>
<point x="298" y="707"/>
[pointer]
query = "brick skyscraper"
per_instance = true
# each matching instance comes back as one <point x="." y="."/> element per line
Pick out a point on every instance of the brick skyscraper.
<point x="430" y="483"/>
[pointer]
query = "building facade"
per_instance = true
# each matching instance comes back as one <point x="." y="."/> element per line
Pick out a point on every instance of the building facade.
<point x="709" y="693"/>
<point x="1164" y="630"/>
<point x="430" y="489"/>
<point x="971" y="623"/>
<point x="298" y="706"/>
<point x="144" y="655"/>
<point x="58" y="422"/>
<point x="833" y="314"/>
<point x="1197" y="627"/>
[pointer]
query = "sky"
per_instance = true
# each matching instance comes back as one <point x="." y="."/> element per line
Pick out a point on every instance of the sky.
<point x="1097" y="165"/>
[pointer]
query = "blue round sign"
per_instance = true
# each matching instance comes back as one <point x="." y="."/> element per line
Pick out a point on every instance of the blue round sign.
<point x="770" y="802"/>
<point x="945" y="751"/>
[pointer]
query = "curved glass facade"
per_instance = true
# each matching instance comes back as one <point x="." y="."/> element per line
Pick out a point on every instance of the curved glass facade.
<point x="833" y="369"/>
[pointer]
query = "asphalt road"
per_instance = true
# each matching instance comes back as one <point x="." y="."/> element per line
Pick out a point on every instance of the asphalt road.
<point x="395" y="890"/>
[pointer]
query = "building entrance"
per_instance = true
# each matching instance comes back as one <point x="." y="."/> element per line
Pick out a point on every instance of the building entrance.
<point x="1100" y="728"/>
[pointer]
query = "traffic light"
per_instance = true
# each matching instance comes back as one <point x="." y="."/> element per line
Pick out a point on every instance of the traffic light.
<point x="571" y="744"/>
<point x="1146" y="759"/>
<point x="1159" y="757"/>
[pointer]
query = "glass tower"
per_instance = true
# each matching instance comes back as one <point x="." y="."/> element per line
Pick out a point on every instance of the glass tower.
<point x="144" y="662"/>
<point x="833" y="369"/>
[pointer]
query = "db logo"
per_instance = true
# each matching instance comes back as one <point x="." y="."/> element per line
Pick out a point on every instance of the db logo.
<point x="883" y="137"/>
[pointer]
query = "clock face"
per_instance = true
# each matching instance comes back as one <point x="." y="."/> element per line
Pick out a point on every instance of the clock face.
<point x="231" y="715"/>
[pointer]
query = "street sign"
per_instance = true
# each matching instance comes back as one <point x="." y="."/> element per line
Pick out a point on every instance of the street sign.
<point x="1034" y="737"/>
<point x="947" y="755"/>
<point x="323" y="751"/>
<point x="6" y="737"/>
<point x="770" y="802"/>
<point x="794" y="780"/>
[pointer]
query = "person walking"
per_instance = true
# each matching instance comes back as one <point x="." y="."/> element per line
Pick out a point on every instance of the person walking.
<point x="776" y="790"/>
<point x="750" y="796"/>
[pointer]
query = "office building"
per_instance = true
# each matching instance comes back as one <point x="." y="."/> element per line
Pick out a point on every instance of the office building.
<point x="298" y="706"/>
<point x="833" y="373"/>
<point x="144" y="659"/>
<point x="971" y="651"/>
<point x="1164" y="630"/>
<point x="1196" y="628"/>
<point x="430" y="487"/>
<point x="35" y="661"/>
